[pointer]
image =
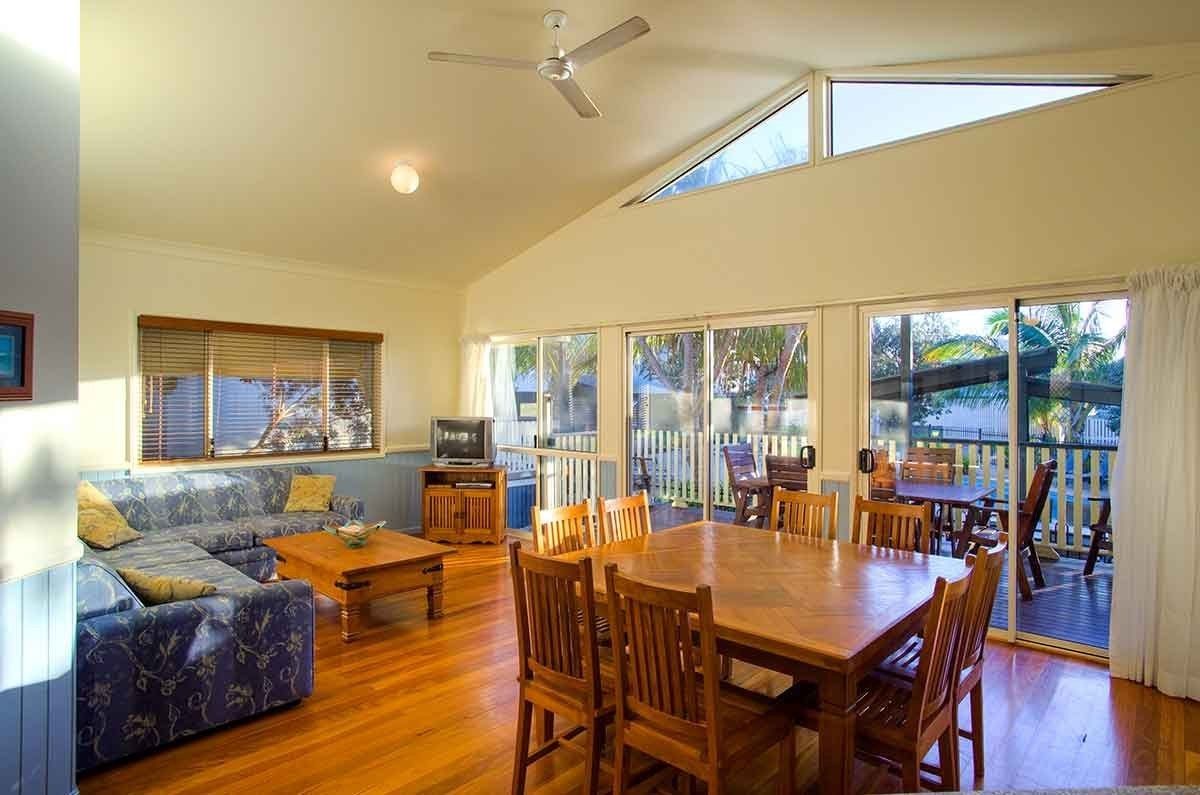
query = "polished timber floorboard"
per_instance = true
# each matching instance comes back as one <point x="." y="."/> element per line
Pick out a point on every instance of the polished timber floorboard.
<point x="431" y="708"/>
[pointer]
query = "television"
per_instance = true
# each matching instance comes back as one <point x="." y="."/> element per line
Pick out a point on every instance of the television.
<point x="462" y="441"/>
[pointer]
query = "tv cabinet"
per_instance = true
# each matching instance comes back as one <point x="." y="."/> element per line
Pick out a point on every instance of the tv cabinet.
<point x="464" y="505"/>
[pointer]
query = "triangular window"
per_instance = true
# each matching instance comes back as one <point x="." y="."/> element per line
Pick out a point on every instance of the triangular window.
<point x="778" y="141"/>
<point x="866" y="113"/>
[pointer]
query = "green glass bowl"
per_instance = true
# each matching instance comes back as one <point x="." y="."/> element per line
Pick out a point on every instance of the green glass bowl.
<point x="351" y="540"/>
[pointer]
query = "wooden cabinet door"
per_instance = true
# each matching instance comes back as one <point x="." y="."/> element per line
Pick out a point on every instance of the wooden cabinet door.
<point x="478" y="511"/>
<point x="441" y="510"/>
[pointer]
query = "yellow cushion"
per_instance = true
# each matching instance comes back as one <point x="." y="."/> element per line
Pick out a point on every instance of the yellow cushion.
<point x="100" y="524"/>
<point x="157" y="589"/>
<point x="310" y="493"/>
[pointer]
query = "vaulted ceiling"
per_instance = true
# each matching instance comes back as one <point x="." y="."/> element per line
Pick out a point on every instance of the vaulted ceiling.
<point x="270" y="126"/>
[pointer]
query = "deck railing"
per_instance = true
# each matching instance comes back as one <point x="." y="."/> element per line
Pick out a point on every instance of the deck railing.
<point x="674" y="467"/>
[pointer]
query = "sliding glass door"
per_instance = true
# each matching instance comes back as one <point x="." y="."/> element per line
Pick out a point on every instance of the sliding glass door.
<point x="545" y="402"/>
<point x="1071" y="364"/>
<point x="694" y="393"/>
<point x="1011" y="413"/>
<point x="666" y="419"/>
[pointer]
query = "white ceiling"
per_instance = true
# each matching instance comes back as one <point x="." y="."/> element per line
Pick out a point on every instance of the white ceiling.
<point x="270" y="126"/>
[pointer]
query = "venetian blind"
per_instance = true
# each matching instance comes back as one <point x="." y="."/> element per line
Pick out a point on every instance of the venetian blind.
<point x="173" y="375"/>
<point x="257" y="390"/>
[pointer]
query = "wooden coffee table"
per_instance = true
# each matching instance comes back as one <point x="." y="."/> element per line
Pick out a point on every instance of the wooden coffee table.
<point x="389" y="564"/>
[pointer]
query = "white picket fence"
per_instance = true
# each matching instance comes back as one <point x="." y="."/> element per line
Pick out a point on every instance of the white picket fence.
<point x="674" y="461"/>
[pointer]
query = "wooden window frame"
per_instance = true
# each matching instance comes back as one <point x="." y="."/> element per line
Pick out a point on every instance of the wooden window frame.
<point x="325" y="335"/>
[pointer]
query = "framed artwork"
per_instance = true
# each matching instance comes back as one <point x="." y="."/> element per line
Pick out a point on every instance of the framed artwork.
<point x="16" y="356"/>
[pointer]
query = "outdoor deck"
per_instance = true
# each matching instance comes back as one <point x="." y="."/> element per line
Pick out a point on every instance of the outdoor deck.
<point x="1071" y="607"/>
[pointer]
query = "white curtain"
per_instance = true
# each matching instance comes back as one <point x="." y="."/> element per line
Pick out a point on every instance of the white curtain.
<point x="475" y="383"/>
<point x="1155" y="631"/>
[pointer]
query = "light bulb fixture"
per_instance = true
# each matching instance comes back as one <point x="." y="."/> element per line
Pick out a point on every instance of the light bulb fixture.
<point x="405" y="178"/>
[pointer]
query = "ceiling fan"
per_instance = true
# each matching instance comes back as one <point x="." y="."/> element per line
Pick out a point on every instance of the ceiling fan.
<point x="560" y="66"/>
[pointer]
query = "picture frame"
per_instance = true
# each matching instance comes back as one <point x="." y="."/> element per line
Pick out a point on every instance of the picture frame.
<point x="16" y="356"/>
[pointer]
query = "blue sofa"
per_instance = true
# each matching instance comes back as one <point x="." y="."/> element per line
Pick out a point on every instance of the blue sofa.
<point x="146" y="676"/>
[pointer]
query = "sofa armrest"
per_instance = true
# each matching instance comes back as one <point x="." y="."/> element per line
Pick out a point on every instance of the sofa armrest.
<point x="148" y="676"/>
<point x="352" y="508"/>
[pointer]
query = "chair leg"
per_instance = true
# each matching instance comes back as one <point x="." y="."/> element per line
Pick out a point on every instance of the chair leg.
<point x="787" y="765"/>
<point x="948" y="757"/>
<point x="1035" y="566"/>
<point x="977" y="728"/>
<point x="1094" y="551"/>
<point x="521" y="760"/>
<point x="545" y="725"/>
<point x="595" y="749"/>
<point x="910" y="774"/>
<point x="1022" y="579"/>
<point x="621" y="762"/>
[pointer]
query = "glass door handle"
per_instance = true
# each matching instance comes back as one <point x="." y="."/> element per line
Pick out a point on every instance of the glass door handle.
<point x="808" y="456"/>
<point x="866" y="461"/>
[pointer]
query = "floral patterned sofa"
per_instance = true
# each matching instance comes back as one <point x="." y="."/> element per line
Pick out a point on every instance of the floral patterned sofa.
<point x="148" y="675"/>
<point x="227" y="513"/>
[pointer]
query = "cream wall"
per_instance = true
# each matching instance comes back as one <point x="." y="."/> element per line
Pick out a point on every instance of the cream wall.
<point x="1086" y="190"/>
<point x="121" y="278"/>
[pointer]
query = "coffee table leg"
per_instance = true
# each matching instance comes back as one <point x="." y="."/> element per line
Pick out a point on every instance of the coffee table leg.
<point x="433" y="600"/>
<point x="351" y="614"/>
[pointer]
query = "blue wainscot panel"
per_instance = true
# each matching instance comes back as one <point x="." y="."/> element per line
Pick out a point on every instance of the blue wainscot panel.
<point x="37" y="683"/>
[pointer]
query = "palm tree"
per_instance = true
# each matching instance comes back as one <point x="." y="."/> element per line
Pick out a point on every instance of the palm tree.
<point x="1084" y="354"/>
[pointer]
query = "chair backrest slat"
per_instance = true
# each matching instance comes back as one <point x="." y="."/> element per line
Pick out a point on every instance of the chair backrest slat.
<point x="940" y="664"/>
<point x="555" y="605"/>
<point x="804" y="514"/>
<point x="567" y="529"/>
<point x="892" y="525"/>
<point x="623" y="518"/>
<point x="786" y="471"/>
<point x="739" y="461"/>
<point x="989" y="569"/>
<point x="656" y="660"/>
<point x="1035" y="500"/>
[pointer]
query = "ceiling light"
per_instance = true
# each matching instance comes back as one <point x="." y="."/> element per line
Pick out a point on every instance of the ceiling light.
<point x="405" y="178"/>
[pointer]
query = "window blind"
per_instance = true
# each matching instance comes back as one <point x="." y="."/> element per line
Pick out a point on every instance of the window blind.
<point x="173" y="375"/>
<point x="223" y="390"/>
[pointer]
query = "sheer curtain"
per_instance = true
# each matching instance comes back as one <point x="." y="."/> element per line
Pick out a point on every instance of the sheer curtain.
<point x="1155" y="631"/>
<point x="475" y="384"/>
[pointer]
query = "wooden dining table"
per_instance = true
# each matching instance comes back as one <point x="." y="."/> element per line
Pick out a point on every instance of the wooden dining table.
<point x="823" y="611"/>
<point x="953" y="495"/>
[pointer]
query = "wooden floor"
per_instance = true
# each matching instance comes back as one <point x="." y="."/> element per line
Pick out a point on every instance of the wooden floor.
<point x="424" y="708"/>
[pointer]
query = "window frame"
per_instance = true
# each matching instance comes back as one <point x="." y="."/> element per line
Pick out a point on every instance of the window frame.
<point x="826" y="133"/>
<point x="794" y="93"/>
<point x="211" y="461"/>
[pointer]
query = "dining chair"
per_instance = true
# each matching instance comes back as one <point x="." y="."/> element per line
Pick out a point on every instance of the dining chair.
<point x="804" y="514"/>
<point x="752" y="502"/>
<point x="941" y="458"/>
<point x="786" y="471"/>
<point x="900" y="720"/>
<point x="988" y="566"/>
<point x="623" y="518"/>
<point x="566" y="529"/>
<point x="559" y="662"/>
<point x="669" y="706"/>
<point x="1101" y="534"/>
<point x="891" y="524"/>
<point x="883" y="476"/>
<point x="1029" y="511"/>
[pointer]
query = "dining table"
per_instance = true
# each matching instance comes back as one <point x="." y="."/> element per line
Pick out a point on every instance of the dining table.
<point x="820" y="610"/>
<point x="952" y="495"/>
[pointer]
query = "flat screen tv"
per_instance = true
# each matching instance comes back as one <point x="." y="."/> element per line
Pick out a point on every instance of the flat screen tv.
<point x="462" y="441"/>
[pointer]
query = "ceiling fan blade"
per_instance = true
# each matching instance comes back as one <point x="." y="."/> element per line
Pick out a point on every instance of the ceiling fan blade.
<point x="578" y="98"/>
<point x="622" y="34"/>
<point x="481" y="60"/>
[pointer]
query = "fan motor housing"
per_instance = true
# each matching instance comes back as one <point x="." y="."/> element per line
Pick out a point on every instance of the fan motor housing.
<point x="555" y="69"/>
